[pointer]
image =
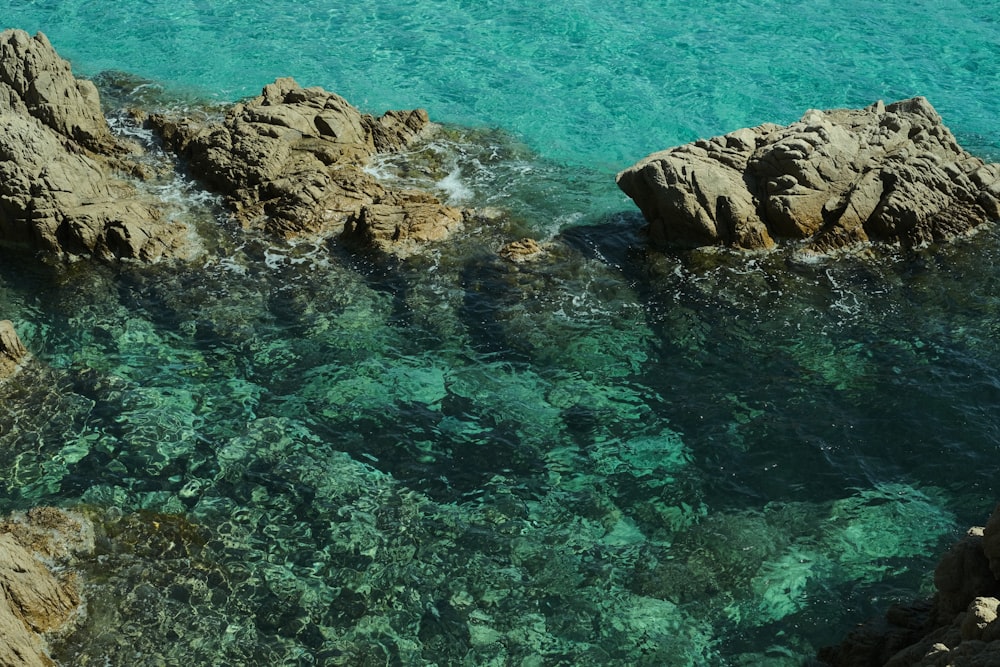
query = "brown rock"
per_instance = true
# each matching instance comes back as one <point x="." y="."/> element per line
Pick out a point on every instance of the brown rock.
<point x="34" y="599"/>
<point x="12" y="350"/>
<point x="836" y="179"/>
<point x="291" y="161"/>
<point x="523" y="250"/>
<point x="962" y="575"/>
<point x="44" y="82"/>
<point x="58" y="190"/>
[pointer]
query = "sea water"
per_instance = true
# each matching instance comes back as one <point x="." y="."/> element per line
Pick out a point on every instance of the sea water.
<point x="300" y="455"/>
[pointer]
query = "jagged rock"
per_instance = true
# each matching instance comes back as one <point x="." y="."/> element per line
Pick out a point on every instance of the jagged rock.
<point x="962" y="575"/>
<point x="292" y="162"/>
<point x="36" y="597"/>
<point x="836" y="179"/>
<point x="58" y="189"/>
<point x="44" y="83"/>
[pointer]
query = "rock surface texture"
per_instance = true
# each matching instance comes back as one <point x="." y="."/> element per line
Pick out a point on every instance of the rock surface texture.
<point x="960" y="626"/>
<point x="835" y="180"/>
<point x="35" y="598"/>
<point x="292" y="161"/>
<point x="59" y="192"/>
<point x="12" y="350"/>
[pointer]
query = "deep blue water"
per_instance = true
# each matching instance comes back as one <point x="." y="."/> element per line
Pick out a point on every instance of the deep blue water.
<point x="612" y="456"/>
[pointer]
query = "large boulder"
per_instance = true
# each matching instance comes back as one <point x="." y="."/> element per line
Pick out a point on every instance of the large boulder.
<point x="292" y="161"/>
<point x="59" y="191"/>
<point x="835" y="179"/>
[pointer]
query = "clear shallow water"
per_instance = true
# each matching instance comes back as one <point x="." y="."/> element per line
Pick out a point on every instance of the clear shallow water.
<point x="299" y="456"/>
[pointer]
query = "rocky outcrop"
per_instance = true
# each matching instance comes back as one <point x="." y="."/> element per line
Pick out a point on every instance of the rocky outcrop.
<point x="521" y="251"/>
<point x="58" y="190"/>
<point x="834" y="180"/>
<point x="36" y="596"/>
<point x="12" y="350"/>
<point x="292" y="161"/>
<point x="960" y="626"/>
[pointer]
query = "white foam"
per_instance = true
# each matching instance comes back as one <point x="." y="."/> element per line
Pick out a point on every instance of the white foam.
<point x="456" y="190"/>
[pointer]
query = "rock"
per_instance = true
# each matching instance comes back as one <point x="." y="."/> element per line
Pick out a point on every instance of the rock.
<point x="12" y="350"/>
<point x="31" y="70"/>
<point x="292" y="161"/>
<point x="835" y="180"/>
<point x="36" y="597"/>
<point x="961" y="575"/>
<point x="982" y="612"/>
<point x="523" y="250"/>
<point x="961" y="627"/>
<point x="402" y="222"/>
<point x="58" y="190"/>
<point x="991" y="542"/>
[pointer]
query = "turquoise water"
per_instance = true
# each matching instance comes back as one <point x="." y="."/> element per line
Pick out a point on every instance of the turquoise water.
<point x="301" y="456"/>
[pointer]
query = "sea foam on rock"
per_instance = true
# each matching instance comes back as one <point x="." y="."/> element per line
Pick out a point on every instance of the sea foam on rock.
<point x="835" y="180"/>
<point x="59" y="190"/>
<point x="292" y="162"/>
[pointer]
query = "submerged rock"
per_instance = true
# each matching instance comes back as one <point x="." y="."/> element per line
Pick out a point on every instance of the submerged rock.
<point x="58" y="189"/>
<point x="835" y="179"/>
<point x="292" y="161"/>
<point x="36" y="597"/>
<point x="958" y="627"/>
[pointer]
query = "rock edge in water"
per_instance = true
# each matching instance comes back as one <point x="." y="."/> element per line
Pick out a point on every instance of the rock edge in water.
<point x="37" y="596"/>
<point x="290" y="161"/>
<point x="959" y="626"/>
<point x="12" y="351"/>
<point x="835" y="180"/>
<point x="59" y="189"/>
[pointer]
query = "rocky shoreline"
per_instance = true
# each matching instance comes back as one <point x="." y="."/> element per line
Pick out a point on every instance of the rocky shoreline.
<point x="291" y="163"/>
